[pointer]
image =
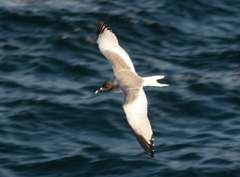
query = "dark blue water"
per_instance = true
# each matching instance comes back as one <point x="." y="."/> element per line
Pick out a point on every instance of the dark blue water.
<point x="52" y="124"/>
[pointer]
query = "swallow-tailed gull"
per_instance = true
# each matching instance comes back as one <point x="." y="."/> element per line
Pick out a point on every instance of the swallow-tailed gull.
<point x="131" y="84"/>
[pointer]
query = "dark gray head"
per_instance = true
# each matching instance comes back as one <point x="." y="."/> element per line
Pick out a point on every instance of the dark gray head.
<point x="107" y="86"/>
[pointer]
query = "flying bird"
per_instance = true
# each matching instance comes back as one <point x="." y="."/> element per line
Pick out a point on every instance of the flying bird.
<point x="131" y="84"/>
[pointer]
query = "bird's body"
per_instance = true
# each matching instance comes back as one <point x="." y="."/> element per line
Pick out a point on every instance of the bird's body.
<point x="135" y="101"/>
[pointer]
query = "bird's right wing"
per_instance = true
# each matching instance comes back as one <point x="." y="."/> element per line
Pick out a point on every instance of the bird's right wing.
<point x="110" y="48"/>
<point x="135" y="108"/>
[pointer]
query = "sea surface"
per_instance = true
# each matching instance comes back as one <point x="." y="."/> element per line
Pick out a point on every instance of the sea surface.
<point x="53" y="125"/>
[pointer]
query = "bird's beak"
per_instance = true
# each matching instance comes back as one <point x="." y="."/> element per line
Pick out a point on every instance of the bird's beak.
<point x="99" y="90"/>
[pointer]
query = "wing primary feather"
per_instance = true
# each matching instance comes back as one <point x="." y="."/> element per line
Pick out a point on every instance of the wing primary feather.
<point x="148" y="147"/>
<point x="101" y="27"/>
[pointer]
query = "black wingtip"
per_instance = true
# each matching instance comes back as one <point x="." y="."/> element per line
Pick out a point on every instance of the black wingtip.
<point x="148" y="147"/>
<point x="151" y="153"/>
<point x="101" y="27"/>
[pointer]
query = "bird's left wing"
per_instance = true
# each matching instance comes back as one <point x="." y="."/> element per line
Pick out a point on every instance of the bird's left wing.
<point x="110" y="48"/>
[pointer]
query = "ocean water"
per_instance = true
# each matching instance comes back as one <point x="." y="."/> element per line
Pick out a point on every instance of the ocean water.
<point x="52" y="124"/>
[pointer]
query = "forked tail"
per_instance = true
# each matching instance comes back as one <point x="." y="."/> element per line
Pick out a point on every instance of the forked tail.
<point x="153" y="81"/>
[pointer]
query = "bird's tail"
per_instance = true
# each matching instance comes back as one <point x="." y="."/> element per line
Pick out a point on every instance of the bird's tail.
<point x="153" y="81"/>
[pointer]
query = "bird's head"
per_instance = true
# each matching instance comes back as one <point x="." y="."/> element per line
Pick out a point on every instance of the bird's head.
<point x="107" y="86"/>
